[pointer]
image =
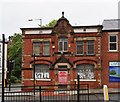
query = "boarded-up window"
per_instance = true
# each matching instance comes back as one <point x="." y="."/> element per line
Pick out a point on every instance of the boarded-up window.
<point x="85" y="71"/>
<point x="42" y="71"/>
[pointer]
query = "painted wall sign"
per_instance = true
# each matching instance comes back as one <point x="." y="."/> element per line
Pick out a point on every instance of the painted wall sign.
<point x="114" y="72"/>
<point x="62" y="77"/>
<point x="114" y="63"/>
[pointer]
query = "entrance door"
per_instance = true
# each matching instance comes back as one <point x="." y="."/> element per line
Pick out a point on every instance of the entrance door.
<point x="62" y="79"/>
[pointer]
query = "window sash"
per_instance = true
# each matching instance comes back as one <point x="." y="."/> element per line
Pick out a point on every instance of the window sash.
<point x="113" y="43"/>
<point x="46" y="48"/>
<point x="79" y="47"/>
<point x="90" y="47"/>
<point x="36" y="48"/>
<point x="62" y="44"/>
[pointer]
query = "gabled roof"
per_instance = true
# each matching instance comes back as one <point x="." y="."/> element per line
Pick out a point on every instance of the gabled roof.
<point x="111" y="24"/>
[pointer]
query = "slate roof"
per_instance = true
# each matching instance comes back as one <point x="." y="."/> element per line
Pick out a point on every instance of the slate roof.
<point x="111" y="24"/>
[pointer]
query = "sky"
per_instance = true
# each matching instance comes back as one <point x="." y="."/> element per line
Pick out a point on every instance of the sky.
<point x="14" y="14"/>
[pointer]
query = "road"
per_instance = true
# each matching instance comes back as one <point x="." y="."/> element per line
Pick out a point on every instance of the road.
<point x="92" y="98"/>
<point x="114" y="97"/>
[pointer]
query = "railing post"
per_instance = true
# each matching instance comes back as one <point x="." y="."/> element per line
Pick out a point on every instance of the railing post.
<point x="40" y="93"/>
<point x="78" y="88"/>
<point x="88" y="92"/>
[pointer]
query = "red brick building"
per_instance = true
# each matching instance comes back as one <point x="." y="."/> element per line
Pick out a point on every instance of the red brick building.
<point x="64" y="51"/>
<point x="111" y="52"/>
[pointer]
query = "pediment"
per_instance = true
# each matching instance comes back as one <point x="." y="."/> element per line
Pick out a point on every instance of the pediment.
<point x="62" y="59"/>
<point x="62" y="27"/>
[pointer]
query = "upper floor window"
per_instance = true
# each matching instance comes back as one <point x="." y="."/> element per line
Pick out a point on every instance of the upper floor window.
<point x="63" y="44"/>
<point x="36" y="48"/>
<point x="90" y="47"/>
<point x="46" y="48"/>
<point x="79" y="47"/>
<point x="112" y="42"/>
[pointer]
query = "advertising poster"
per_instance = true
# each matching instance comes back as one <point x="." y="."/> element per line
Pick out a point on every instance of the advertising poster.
<point x="114" y="71"/>
<point x="62" y="77"/>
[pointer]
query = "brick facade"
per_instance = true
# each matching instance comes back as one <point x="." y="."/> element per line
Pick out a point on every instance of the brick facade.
<point x="69" y="58"/>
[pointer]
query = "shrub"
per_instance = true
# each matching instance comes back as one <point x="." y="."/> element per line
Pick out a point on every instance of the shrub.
<point x="13" y="79"/>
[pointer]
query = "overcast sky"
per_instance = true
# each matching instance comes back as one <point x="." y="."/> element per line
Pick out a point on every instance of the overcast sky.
<point x="14" y="14"/>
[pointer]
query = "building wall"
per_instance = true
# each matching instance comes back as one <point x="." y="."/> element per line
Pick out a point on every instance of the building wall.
<point x="109" y="56"/>
<point x="56" y="59"/>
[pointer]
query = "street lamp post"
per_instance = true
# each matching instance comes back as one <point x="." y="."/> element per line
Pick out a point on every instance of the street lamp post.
<point x="3" y="64"/>
<point x="3" y="55"/>
<point x="36" y="19"/>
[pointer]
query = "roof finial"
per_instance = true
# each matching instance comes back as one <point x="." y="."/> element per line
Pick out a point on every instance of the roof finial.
<point x="62" y="14"/>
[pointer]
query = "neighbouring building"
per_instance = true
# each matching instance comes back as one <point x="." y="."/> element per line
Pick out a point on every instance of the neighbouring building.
<point x="5" y="62"/>
<point x="111" y="52"/>
<point x="64" y="51"/>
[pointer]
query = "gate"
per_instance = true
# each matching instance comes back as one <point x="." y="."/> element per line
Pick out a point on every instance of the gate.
<point x="49" y="93"/>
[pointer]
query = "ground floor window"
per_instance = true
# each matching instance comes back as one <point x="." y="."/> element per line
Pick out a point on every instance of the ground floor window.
<point x="42" y="71"/>
<point x="86" y="71"/>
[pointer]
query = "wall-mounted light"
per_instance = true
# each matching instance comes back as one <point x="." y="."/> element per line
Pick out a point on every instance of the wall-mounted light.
<point x="53" y="47"/>
<point x="69" y="45"/>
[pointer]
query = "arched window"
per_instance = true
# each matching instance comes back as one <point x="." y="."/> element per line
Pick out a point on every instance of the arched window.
<point x="42" y="71"/>
<point x="86" y="71"/>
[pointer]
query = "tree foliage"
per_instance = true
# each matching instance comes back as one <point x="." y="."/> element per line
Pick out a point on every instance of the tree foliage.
<point x="51" y="24"/>
<point x="15" y="53"/>
<point x="113" y="72"/>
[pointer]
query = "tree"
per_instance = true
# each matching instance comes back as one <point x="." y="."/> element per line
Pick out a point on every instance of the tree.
<point x="51" y="24"/>
<point x="113" y="72"/>
<point x="15" y="53"/>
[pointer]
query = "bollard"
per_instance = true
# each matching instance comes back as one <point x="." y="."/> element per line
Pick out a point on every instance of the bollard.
<point x="105" y="90"/>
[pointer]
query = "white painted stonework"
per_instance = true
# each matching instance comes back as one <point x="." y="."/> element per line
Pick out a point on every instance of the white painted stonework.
<point x="38" y="31"/>
<point x="78" y="30"/>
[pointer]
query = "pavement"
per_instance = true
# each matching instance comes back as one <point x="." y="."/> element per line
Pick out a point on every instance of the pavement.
<point x="91" y="90"/>
<point x="100" y="90"/>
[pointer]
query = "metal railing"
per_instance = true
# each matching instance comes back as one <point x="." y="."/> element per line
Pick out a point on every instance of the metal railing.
<point x="51" y="93"/>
